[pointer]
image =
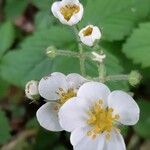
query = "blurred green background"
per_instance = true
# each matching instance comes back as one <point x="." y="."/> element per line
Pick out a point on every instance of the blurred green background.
<point x="27" y="28"/>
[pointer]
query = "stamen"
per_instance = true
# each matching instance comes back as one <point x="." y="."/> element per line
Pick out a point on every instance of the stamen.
<point x="88" y="31"/>
<point x="69" y="10"/>
<point x="101" y="120"/>
<point x="65" y="95"/>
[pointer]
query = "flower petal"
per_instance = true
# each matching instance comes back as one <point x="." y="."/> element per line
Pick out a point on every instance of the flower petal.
<point x="72" y="114"/>
<point x="116" y="142"/>
<point x="50" y="85"/>
<point x="47" y="116"/>
<point x="78" y="134"/>
<point x="94" y="91"/>
<point x="96" y="33"/>
<point x="87" y="143"/>
<point x="70" y="1"/>
<point x="76" y="17"/>
<point x="124" y="105"/>
<point x="75" y="80"/>
<point x="55" y="8"/>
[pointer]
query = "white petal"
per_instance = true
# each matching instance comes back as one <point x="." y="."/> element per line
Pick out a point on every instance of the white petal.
<point x="96" y="34"/>
<point x="78" y="134"/>
<point x="87" y="143"/>
<point x="75" y="80"/>
<point x="94" y="91"/>
<point x="76" y="17"/>
<point x="116" y="142"/>
<point x="47" y="116"/>
<point x="49" y="86"/>
<point x="90" y="40"/>
<point x="70" y="1"/>
<point x="55" y="8"/>
<point x="72" y="114"/>
<point x="124" y="105"/>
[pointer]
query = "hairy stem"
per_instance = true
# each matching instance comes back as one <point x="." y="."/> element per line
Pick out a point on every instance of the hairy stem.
<point x="117" y="77"/>
<point x="81" y="53"/>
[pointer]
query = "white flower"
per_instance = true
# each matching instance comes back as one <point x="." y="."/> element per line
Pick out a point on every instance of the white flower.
<point x="94" y="115"/>
<point x="31" y="90"/>
<point x="56" y="89"/>
<point x="68" y="12"/>
<point x="89" y="35"/>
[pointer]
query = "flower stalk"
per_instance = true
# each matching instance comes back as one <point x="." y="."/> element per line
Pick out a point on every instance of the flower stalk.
<point x="81" y="52"/>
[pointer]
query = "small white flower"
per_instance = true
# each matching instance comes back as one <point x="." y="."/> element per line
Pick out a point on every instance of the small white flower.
<point x="56" y="89"/>
<point x="68" y="12"/>
<point x="89" y="35"/>
<point x="31" y="90"/>
<point x="94" y="115"/>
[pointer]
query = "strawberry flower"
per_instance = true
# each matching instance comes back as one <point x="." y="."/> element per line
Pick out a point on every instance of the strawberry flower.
<point x="93" y="117"/>
<point x="89" y="35"/>
<point x="68" y="12"/>
<point x="56" y="89"/>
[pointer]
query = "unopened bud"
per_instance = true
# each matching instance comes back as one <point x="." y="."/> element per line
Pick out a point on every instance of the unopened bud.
<point x="98" y="57"/>
<point x="134" y="78"/>
<point x="31" y="90"/>
<point x="51" y="52"/>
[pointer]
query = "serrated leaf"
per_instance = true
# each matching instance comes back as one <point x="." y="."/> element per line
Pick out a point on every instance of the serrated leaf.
<point x="4" y="128"/>
<point x="137" y="46"/>
<point x="143" y="126"/>
<point x="7" y="36"/>
<point x="115" y="18"/>
<point x="31" y="61"/>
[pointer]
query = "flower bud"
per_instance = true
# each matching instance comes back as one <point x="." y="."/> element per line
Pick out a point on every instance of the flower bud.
<point x="134" y="78"/>
<point x="90" y="35"/>
<point x="51" y="52"/>
<point x="31" y="90"/>
<point x="98" y="57"/>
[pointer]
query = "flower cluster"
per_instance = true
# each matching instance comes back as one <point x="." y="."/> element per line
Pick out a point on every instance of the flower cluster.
<point x="70" y="12"/>
<point x="79" y="104"/>
<point x="89" y="110"/>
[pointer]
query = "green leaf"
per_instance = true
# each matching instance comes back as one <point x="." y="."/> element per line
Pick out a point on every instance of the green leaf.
<point x="44" y="5"/>
<point x="15" y="8"/>
<point x="4" y="128"/>
<point x="46" y="140"/>
<point x="60" y="147"/>
<point x="43" y="20"/>
<point x="141" y="8"/>
<point x="7" y="36"/>
<point x="143" y="126"/>
<point x="137" y="46"/>
<point x="115" y="18"/>
<point x="3" y="88"/>
<point x="31" y="61"/>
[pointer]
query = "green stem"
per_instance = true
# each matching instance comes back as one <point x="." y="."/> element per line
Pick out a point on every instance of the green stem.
<point x="102" y="72"/>
<point x="117" y="77"/>
<point x="81" y="53"/>
<point x="67" y="53"/>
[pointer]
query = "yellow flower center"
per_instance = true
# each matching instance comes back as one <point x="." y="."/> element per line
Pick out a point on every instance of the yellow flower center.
<point x="69" y="10"/>
<point x="88" y="31"/>
<point x="65" y="95"/>
<point x="101" y="120"/>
